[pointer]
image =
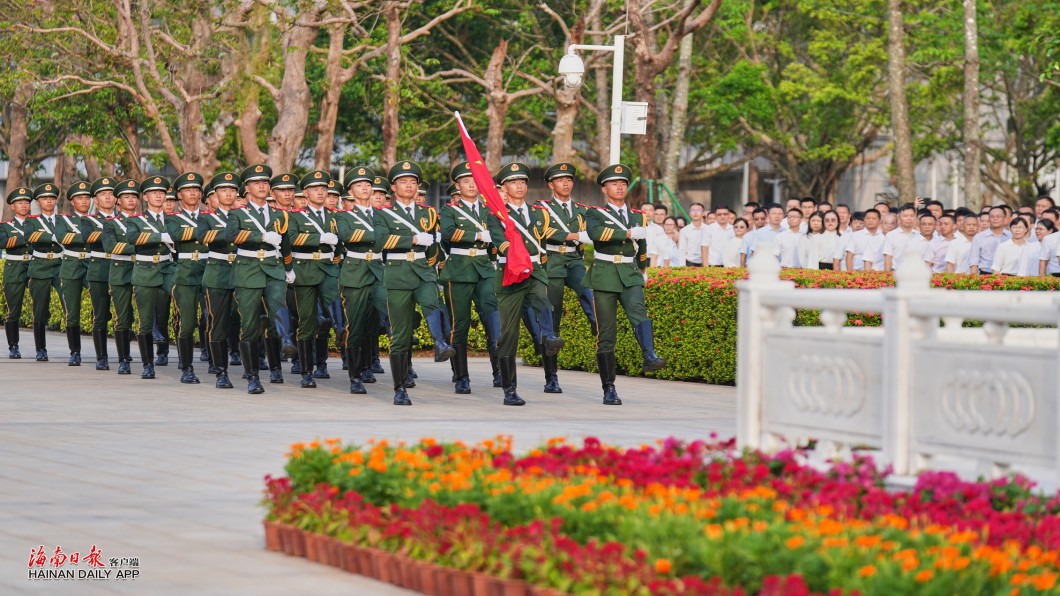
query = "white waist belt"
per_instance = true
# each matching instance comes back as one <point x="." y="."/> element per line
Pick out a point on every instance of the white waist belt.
<point x="405" y="256"/>
<point x="470" y="252"/>
<point x="194" y="256"/>
<point x="533" y="259"/>
<point x="364" y="256"/>
<point x="47" y="255"/>
<point x="220" y="256"/>
<point x="614" y="258"/>
<point x="98" y="255"/>
<point x="563" y="248"/>
<point x="257" y="254"/>
<point x="313" y="256"/>
<point x="151" y="258"/>
<point x="25" y="257"/>
<point x="75" y="254"/>
<point x="120" y="257"/>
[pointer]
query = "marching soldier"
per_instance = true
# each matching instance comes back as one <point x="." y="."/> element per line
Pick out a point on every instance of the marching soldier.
<point x="281" y="190"/>
<point x="405" y="232"/>
<point x="74" y="268"/>
<point x="15" y="239"/>
<point x="469" y="273"/>
<point x="533" y="224"/>
<point x="98" y="274"/>
<point x="261" y="271"/>
<point x="45" y="265"/>
<point x="566" y="262"/>
<point x="217" y="275"/>
<point x="153" y="268"/>
<point x="182" y="226"/>
<point x="421" y="193"/>
<point x="163" y="306"/>
<point x="121" y="254"/>
<point x="616" y="276"/>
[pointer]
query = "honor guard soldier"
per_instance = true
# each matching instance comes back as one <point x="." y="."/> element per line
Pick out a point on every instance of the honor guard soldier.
<point x="153" y="268"/>
<point x="163" y="308"/>
<point x="45" y="265"/>
<point x="182" y="225"/>
<point x="316" y="284"/>
<point x="616" y="276"/>
<point x="361" y="278"/>
<point x="282" y="188"/>
<point x="405" y="233"/>
<point x="566" y="262"/>
<point x="469" y="273"/>
<point x="421" y="193"/>
<point x="74" y="268"/>
<point x="15" y="239"/>
<point x="533" y="225"/>
<point x="217" y="275"/>
<point x="98" y="274"/>
<point x="120" y="253"/>
<point x="261" y="272"/>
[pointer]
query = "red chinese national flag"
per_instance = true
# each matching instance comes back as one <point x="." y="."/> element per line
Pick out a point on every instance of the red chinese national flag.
<point x="518" y="267"/>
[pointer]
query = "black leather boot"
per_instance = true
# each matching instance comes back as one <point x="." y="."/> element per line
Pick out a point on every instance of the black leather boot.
<point x="646" y="339"/>
<point x="233" y="346"/>
<point x="99" y="343"/>
<point x="73" y="340"/>
<point x="219" y="354"/>
<point x="263" y="350"/>
<point x="272" y="355"/>
<point x="248" y="354"/>
<point x="353" y="356"/>
<point x="305" y="354"/>
<point x="452" y="367"/>
<point x="463" y="380"/>
<point x="410" y="375"/>
<point x="321" y="354"/>
<point x="211" y="355"/>
<point x="397" y="370"/>
<point x="551" y="343"/>
<point x="40" y="341"/>
<point x="492" y="326"/>
<point x="377" y="366"/>
<point x="296" y="364"/>
<point x="367" y="344"/>
<point x="508" y="378"/>
<point x="11" y="327"/>
<point x="282" y="321"/>
<point x="146" y="343"/>
<point x="185" y="349"/>
<point x="128" y="338"/>
<point x="204" y="345"/>
<point x="606" y="364"/>
<point x="163" y="353"/>
<point x="495" y="365"/>
<point x="442" y="350"/>
<point x="551" y="365"/>
<point x="121" y="344"/>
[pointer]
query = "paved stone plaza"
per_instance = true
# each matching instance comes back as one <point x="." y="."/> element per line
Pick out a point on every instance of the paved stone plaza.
<point x="172" y="473"/>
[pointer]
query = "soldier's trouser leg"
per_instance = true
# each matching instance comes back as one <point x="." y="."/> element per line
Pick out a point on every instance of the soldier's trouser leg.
<point x="401" y="306"/>
<point x="122" y="296"/>
<point x="556" y="286"/>
<point x="605" y="305"/>
<point x="99" y="294"/>
<point x="147" y="299"/>
<point x="575" y="277"/>
<point x="40" y="292"/>
<point x="162" y="317"/>
<point x="218" y="314"/>
<point x="14" y="294"/>
<point x="185" y="310"/>
<point x="535" y="293"/>
<point x="306" y="301"/>
<point x="458" y="305"/>
<point x="72" y="290"/>
<point x="250" y="303"/>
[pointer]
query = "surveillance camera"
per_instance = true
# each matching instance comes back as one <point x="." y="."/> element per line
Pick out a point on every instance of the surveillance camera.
<point x="572" y="80"/>
<point x="572" y="68"/>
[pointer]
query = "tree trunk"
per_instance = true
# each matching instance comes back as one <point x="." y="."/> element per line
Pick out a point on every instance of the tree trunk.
<point x="391" y="95"/>
<point x="19" y="138"/>
<point x="336" y="77"/>
<point x="92" y="169"/>
<point x="131" y="163"/>
<point x="602" y="141"/>
<point x="903" y="138"/>
<point x="752" y="183"/>
<point x="293" y="99"/>
<point x="678" y="116"/>
<point x="973" y="196"/>
<point x="498" y="103"/>
<point x="248" y="130"/>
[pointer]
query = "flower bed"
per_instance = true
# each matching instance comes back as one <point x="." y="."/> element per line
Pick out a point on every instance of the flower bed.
<point x="677" y="518"/>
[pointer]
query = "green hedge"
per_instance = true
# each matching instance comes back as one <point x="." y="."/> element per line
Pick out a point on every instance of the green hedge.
<point x="693" y="312"/>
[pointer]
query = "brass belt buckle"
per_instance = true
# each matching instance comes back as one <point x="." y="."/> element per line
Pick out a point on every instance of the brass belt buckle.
<point x="231" y="257"/>
<point x="50" y="255"/>
<point x="368" y="256"/>
<point x="412" y="255"/>
<point x="195" y="255"/>
<point x="618" y="258"/>
<point x="108" y="255"/>
<point x="261" y="254"/>
<point x="316" y="256"/>
<point x="472" y="252"/>
<point x="132" y="258"/>
<point x="81" y="255"/>
<point x="156" y="258"/>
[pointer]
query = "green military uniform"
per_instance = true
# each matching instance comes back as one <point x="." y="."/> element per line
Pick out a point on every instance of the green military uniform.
<point x="15" y="242"/>
<point x="289" y="181"/>
<point x="211" y="232"/>
<point x="260" y="274"/>
<point x="566" y="264"/>
<point x="187" y="282"/>
<point x="43" y="268"/>
<point x="405" y="233"/>
<point x="73" y="272"/>
<point x="469" y="273"/>
<point x="120" y="253"/>
<point x="98" y="274"/>
<point x="616" y="277"/>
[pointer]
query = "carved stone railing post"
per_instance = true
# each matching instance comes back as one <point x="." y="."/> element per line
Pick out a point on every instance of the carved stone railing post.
<point x="763" y="276"/>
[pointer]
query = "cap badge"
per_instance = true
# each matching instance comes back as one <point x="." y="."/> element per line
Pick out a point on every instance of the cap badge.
<point x="228" y="176"/>
<point x="158" y="180"/>
<point x="286" y="177"/>
<point x="618" y="169"/>
<point x="22" y="191"/>
<point x="360" y="172"/>
<point x="563" y="167"/>
<point x="406" y="165"/>
<point x="105" y="181"/>
<point x="82" y="185"/>
<point x="317" y="175"/>
<point x="257" y="169"/>
<point x="515" y="167"/>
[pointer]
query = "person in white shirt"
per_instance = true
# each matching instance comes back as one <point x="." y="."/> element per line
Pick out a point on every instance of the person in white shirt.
<point x="731" y="251"/>
<point x="653" y="229"/>
<point x="894" y="243"/>
<point x="935" y="254"/>
<point x="957" y="254"/>
<point x="1030" y="258"/>
<point x="691" y="237"/>
<point x="664" y="252"/>
<point x="718" y="233"/>
<point x="843" y="211"/>
<point x="859" y="241"/>
<point x="820" y="246"/>
<point x="793" y="203"/>
<point x="764" y="234"/>
<point x="873" y="256"/>
<point x="856" y="224"/>
<point x="1048" y="263"/>
<point x="786" y="243"/>
<point x="1007" y="256"/>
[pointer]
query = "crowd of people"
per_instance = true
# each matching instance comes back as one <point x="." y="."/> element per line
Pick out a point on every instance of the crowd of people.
<point x="810" y="234"/>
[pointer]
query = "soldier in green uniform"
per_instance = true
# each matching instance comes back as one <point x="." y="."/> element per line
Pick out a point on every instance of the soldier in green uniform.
<point x="533" y="224"/>
<point x="262" y="270"/>
<point x="566" y="262"/>
<point x="98" y="274"/>
<point x="121" y="253"/>
<point x="405" y="232"/>
<point x="469" y="274"/>
<point x="74" y="268"/>
<point x="182" y="226"/>
<point x="616" y="276"/>
<point x="361" y="277"/>
<point x="45" y="265"/>
<point x="153" y="270"/>
<point x="282" y="190"/>
<point x="217" y="276"/>
<point x="313" y="243"/>
<point x="380" y="194"/>
<point x="15" y="241"/>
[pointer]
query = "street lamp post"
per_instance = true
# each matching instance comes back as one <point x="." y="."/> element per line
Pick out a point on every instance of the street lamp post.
<point x="572" y="68"/>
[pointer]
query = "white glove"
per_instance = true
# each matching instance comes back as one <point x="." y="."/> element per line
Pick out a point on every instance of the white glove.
<point x="638" y="233"/>
<point x="329" y="238"/>
<point x="423" y="239"/>
<point x="289" y="276"/>
<point x="484" y="236"/>
<point x="584" y="238"/>
<point x="167" y="238"/>
<point x="272" y="238"/>
<point x="438" y="237"/>
<point x="54" y="239"/>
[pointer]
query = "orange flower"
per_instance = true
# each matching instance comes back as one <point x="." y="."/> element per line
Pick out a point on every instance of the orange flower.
<point x="867" y="541"/>
<point x="714" y="531"/>
<point x="795" y="542"/>
<point x="910" y="564"/>
<point x="924" y="575"/>
<point x="663" y="566"/>
<point x="867" y="571"/>
<point x="961" y="562"/>
<point x="355" y="471"/>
